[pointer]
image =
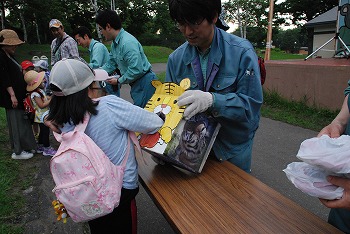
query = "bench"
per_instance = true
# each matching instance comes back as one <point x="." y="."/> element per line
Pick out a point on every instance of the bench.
<point x="223" y="199"/>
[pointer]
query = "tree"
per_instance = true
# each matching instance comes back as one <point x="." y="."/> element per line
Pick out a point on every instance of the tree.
<point x="291" y="40"/>
<point x="247" y="13"/>
<point x="145" y="19"/>
<point x="304" y="10"/>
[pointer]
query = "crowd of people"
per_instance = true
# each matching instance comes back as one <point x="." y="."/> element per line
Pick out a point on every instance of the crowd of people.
<point x="225" y="84"/>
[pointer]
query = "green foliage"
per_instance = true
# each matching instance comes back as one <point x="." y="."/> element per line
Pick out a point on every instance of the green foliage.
<point x="145" y="19"/>
<point x="291" y="39"/>
<point x="295" y="112"/>
<point x="251" y="13"/>
<point x="304" y="10"/>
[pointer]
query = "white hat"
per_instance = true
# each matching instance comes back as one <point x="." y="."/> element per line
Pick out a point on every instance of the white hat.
<point x="42" y="64"/>
<point x="72" y="76"/>
<point x="55" y="23"/>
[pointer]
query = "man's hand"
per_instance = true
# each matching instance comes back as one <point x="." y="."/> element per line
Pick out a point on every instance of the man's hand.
<point x="344" y="202"/>
<point x="196" y="101"/>
<point x="333" y="130"/>
<point x="112" y="81"/>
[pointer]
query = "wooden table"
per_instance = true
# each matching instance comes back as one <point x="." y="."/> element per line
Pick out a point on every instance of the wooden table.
<point x="223" y="199"/>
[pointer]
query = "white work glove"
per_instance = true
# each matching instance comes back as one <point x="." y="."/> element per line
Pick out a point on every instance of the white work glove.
<point x="196" y="101"/>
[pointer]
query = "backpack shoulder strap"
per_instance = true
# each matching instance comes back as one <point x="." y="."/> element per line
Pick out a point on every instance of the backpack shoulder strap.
<point x="58" y="45"/>
<point x="132" y="137"/>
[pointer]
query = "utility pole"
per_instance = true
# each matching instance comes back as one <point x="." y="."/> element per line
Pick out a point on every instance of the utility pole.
<point x="269" y="32"/>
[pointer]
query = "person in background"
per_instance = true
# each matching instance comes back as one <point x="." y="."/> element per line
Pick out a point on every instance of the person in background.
<point x="13" y="91"/>
<point x="43" y="66"/>
<point x="27" y="66"/>
<point x="63" y="46"/>
<point x="99" y="54"/>
<point x="128" y="56"/>
<point x="339" y="215"/>
<point x="225" y="78"/>
<point x="111" y="119"/>
<point x="35" y="86"/>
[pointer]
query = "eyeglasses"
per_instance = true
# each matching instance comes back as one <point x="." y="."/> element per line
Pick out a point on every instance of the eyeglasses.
<point x="193" y="25"/>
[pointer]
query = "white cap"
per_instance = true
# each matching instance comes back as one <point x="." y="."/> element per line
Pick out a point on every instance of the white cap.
<point x="71" y="76"/>
<point x="42" y="64"/>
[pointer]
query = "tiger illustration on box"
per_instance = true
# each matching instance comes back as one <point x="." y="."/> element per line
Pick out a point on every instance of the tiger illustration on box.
<point x="193" y="141"/>
<point x="164" y="101"/>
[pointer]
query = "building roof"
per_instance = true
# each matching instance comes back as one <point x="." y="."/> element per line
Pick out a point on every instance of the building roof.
<point x="329" y="17"/>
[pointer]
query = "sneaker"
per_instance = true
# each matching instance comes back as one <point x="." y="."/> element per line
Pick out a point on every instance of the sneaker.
<point x="40" y="149"/>
<point x="23" y="155"/>
<point x="49" y="151"/>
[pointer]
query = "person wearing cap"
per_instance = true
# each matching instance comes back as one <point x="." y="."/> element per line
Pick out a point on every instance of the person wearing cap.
<point x="13" y="91"/>
<point x="111" y="119"/>
<point x="127" y="55"/>
<point x="99" y="54"/>
<point x="63" y="46"/>
<point x="35" y="86"/>
<point x="43" y="66"/>
<point x="224" y="74"/>
<point x="27" y="66"/>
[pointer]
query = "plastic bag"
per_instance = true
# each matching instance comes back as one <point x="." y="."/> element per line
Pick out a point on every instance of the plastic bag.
<point x="332" y="154"/>
<point x="312" y="180"/>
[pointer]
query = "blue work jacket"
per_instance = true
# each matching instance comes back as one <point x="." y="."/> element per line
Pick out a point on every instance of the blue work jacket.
<point x="236" y="88"/>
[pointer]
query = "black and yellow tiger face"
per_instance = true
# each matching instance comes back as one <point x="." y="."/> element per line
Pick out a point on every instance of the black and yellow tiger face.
<point x="165" y="100"/>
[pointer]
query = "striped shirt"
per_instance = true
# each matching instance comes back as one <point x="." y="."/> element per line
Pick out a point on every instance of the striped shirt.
<point x="109" y="130"/>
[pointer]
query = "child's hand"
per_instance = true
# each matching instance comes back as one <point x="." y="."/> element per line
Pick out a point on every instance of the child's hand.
<point x="112" y="81"/>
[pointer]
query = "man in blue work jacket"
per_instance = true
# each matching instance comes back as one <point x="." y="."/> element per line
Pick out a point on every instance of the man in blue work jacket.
<point x="224" y="74"/>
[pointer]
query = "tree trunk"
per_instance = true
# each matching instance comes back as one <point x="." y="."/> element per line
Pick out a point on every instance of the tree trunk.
<point x="245" y="31"/>
<point x="2" y="15"/>
<point x="239" y="21"/>
<point x="37" y="29"/>
<point x="25" y="36"/>
<point x="94" y="4"/>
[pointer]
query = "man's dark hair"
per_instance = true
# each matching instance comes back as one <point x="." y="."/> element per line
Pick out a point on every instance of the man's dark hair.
<point x="193" y="10"/>
<point x="108" y="17"/>
<point x="81" y="31"/>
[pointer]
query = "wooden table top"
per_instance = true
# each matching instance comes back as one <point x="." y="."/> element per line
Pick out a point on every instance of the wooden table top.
<point x="223" y="199"/>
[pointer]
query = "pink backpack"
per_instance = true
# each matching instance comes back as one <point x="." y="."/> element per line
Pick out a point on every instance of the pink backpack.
<point x="87" y="182"/>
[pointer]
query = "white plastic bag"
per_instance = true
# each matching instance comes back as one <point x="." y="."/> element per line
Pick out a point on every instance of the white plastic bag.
<point x="312" y="180"/>
<point x="332" y="154"/>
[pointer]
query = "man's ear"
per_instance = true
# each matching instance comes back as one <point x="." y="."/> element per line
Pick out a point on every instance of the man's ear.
<point x="215" y="19"/>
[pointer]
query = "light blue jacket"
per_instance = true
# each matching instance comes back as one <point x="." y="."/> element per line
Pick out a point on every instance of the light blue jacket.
<point x="99" y="55"/>
<point x="109" y="130"/>
<point x="128" y="56"/>
<point x="236" y="88"/>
